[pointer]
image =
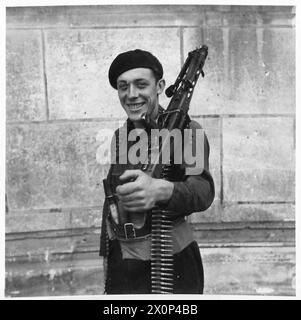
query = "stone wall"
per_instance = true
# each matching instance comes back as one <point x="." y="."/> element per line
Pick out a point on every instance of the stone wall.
<point x="59" y="98"/>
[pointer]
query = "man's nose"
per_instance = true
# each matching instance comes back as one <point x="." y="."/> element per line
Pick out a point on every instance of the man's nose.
<point x="133" y="92"/>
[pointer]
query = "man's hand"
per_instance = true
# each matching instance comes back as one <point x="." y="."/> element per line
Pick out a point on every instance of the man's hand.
<point x="142" y="192"/>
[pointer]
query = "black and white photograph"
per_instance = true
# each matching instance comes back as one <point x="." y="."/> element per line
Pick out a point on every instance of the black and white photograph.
<point x="150" y="149"/>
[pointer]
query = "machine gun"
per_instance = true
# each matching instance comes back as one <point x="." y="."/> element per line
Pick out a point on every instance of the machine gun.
<point x="181" y="91"/>
<point x="175" y="117"/>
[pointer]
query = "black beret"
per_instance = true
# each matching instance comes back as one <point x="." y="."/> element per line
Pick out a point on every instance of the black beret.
<point x="133" y="59"/>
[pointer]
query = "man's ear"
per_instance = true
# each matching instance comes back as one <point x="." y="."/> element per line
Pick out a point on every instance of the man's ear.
<point x="160" y="86"/>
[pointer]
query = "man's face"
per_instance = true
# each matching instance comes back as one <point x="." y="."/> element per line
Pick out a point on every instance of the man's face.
<point x="138" y="93"/>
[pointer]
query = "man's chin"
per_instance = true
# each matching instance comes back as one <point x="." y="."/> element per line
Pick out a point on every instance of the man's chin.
<point x="137" y="116"/>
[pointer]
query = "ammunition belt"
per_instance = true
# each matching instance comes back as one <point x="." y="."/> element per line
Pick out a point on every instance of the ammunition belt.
<point x="162" y="272"/>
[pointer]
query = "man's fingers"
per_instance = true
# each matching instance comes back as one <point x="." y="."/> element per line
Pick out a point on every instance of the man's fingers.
<point x="130" y="197"/>
<point x="127" y="188"/>
<point x="131" y="186"/>
<point x="132" y="204"/>
<point x="130" y="174"/>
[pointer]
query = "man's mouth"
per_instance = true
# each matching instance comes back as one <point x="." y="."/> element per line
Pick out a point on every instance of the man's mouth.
<point x="135" y="106"/>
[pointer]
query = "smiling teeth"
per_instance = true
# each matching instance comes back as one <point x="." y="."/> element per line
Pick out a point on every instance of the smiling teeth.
<point x="135" y="105"/>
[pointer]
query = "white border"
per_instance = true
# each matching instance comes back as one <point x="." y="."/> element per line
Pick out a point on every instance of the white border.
<point x="20" y="3"/>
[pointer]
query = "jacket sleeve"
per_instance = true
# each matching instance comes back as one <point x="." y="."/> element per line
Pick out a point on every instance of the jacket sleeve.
<point x="196" y="192"/>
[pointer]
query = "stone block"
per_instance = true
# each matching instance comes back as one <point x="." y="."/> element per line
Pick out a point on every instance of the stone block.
<point x="51" y="245"/>
<point x="259" y="159"/>
<point x="211" y="92"/>
<point x="245" y="232"/>
<point x="88" y="278"/>
<point x="86" y="217"/>
<point x="55" y="165"/>
<point x="262" y="70"/>
<point x="43" y="220"/>
<point x="244" y="77"/>
<point x="281" y="16"/>
<point x="33" y="221"/>
<point x="258" y="212"/>
<point x="250" y="16"/>
<point x="250" y="271"/>
<point x="242" y="16"/>
<point x="65" y="278"/>
<point x="78" y="61"/>
<point x="33" y="248"/>
<point x="147" y="15"/>
<point x="243" y="270"/>
<point x="106" y="16"/>
<point x="25" y="93"/>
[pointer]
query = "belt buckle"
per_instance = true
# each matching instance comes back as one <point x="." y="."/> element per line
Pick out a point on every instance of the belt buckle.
<point x="129" y="230"/>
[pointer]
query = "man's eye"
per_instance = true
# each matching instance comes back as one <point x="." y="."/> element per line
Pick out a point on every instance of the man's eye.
<point x="141" y="85"/>
<point x="122" y="87"/>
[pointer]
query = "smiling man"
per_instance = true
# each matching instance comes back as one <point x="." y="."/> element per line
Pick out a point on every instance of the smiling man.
<point x="138" y="91"/>
<point x="137" y="76"/>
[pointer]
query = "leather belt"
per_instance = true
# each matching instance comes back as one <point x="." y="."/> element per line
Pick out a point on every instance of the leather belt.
<point x="127" y="231"/>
